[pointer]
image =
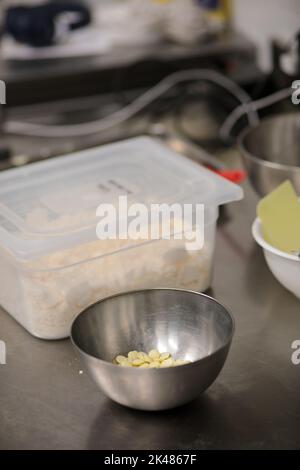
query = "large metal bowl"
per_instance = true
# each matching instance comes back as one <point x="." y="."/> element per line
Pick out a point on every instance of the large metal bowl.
<point x="186" y="324"/>
<point x="271" y="152"/>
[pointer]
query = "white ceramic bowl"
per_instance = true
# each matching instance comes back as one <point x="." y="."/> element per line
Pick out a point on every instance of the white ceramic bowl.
<point x="285" y="267"/>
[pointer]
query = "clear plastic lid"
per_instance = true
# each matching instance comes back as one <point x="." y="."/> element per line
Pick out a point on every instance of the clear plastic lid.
<point x="52" y="204"/>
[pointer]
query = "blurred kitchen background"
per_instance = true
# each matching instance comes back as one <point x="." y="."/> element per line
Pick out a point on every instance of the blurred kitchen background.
<point x="69" y="66"/>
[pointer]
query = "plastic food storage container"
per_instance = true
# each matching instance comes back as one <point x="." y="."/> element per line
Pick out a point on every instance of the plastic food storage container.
<point x="53" y="265"/>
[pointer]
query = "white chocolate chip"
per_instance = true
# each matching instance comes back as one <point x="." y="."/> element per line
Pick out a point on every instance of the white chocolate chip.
<point x="154" y="354"/>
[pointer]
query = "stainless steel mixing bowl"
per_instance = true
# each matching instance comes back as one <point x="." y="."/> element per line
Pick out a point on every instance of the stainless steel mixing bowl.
<point x="186" y="324"/>
<point x="271" y="152"/>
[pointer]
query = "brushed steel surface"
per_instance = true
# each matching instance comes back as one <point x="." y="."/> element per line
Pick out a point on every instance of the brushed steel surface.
<point x="270" y="152"/>
<point x="186" y="324"/>
<point x="47" y="403"/>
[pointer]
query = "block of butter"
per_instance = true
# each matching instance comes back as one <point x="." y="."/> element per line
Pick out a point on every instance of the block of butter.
<point x="279" y="213"/>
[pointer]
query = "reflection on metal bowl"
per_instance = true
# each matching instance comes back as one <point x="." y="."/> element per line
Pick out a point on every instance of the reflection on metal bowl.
<point x="271" y="152"/>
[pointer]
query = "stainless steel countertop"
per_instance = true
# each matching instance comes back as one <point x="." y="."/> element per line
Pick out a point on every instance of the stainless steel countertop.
<point x="47" y="403"/>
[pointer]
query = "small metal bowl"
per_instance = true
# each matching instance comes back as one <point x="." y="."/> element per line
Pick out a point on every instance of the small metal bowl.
<point x="186" y="324"/>
<point x="270" y="152"/>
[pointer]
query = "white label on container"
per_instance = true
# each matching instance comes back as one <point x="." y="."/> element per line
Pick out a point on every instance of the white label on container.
<point x="88" y="196"/>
